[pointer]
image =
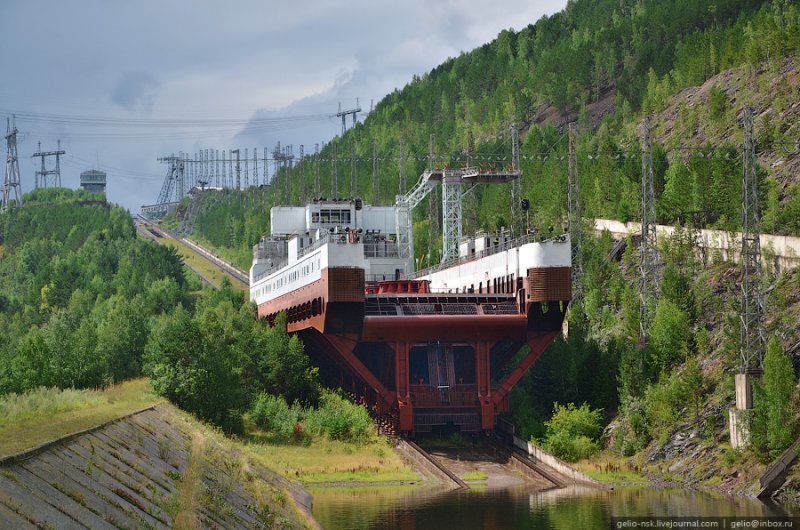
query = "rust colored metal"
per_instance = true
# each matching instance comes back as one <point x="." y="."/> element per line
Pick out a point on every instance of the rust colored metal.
<point x="549" y="284"/>
<point x="371" y="337"/>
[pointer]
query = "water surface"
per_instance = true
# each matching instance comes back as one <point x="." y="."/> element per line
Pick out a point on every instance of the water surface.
<point x="412" y="508"/>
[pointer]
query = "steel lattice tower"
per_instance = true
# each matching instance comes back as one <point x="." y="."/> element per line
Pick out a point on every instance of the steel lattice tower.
<point x="451" y="214"/>
<point x="317" y="188"/>
<point x="302" y="184"/>
<point x="335" y="179"/>
<point x="516" y="191"/>
<point x="753" y="339"/>
<point x="648" y="251"/>
<point x="470" y="205"/>
<point x="574" y="211"/>
<point x="433" y="214"/>
<point x="44" y="172"/>
<point x="402" y="182"/>
<point x="174" y="180"/>
<point x="353" y="174"/>
<point x="11" y="182"/>
<point x="376" y="183"/>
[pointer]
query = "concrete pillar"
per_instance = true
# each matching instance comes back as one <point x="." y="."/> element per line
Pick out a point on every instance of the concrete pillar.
<point x="737" y="417"/>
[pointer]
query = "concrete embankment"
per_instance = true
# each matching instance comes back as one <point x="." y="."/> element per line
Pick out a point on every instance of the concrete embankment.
<point x="153" y="469"/>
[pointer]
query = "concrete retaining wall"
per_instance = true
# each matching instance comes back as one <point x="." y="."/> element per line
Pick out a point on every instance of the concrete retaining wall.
<point x="780" y="252"/>
<point x="540" y="456"/>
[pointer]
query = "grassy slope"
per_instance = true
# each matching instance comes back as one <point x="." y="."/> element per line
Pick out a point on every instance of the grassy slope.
<point x="199" y="264"/>
<point x="31" y="419"/>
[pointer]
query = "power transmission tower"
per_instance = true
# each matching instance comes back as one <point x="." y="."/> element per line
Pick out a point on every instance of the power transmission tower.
<point x="246" y="169"/>
<point x="255" y="167"/>
<point x="753" y="339"/>
<point x="277" y="156"/>
<point x="648" y="251"/>
<point x="376" y="183"/>
<point x="222" y="173"/>
<point x="353" y="175"/>
<point x="11" y="183"/>
<point x="470" y="199"/>
<point x="266" y="168"/>
<point x="335" y="178"/>
<point x="288" y="157"/>
<point x="516" y="191"/>
<point x="402" y="167"/>
<point x="41" y="175"/>
<point x="317" y="188"/>
<point x="343" y="114"/>
<point x="302" y="190"/>
<point x="238" y="169"/>
<point x="433" y="214"/>
<point x="574" y="208"/>
<point x="172" y="189"/>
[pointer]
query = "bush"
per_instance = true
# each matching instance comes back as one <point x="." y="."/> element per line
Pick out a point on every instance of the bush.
<point x="336" y="418"/>
<point x="273" y="414"/>
<point x="573" y="432"/>
<point x="340" y="419"/>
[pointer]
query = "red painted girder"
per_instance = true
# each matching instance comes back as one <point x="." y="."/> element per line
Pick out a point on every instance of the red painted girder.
<point x="344" y="346"/>
<point x="538" y="343"/>
<point x="444" y="327"/>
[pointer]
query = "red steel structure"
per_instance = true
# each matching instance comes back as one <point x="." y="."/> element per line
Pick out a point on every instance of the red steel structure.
<point x="427" y="360"/>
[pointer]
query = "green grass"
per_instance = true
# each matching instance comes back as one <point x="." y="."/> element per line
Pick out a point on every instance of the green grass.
<point x="326" y="460"/>
<point x="44" y="414"/>
<point x="200" y="264"/>
<point x="610" y="468"/>
<point x="472" y="476"/>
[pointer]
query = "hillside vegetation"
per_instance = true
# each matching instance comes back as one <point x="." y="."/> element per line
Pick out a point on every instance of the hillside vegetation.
<point x="691" y="67"/>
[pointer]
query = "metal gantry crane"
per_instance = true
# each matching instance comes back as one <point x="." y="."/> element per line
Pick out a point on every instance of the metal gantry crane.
<point x="456" y="184"/>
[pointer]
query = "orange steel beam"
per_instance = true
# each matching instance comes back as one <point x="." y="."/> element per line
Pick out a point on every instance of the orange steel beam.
<point x="538" y="343"/>
<point x="344" y="346"/>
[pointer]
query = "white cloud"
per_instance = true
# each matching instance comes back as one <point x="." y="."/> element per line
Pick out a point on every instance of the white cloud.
<point x="211" y="59"/>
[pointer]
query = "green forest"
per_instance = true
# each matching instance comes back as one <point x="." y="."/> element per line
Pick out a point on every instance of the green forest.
<point x="84" y="303"/>
<point x="604" y="66"/>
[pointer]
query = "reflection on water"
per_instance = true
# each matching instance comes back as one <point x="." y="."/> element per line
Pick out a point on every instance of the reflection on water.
<point x="417" y="508"/>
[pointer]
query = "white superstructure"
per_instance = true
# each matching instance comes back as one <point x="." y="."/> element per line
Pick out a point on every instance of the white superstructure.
<point x="325" y="233"/>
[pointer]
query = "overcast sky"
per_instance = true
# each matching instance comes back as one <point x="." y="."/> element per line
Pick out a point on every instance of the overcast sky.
<point x="122" y="75"/>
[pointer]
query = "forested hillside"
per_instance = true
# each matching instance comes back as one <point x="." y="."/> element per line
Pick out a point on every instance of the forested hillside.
<point x="603" y="64"/>
<point x="691" y="67"/>
<point x="76" y="291"/>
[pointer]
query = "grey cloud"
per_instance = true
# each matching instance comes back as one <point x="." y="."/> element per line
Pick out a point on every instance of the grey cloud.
<point x="136" y="91"/>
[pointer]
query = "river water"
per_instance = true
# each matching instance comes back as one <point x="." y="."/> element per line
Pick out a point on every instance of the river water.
<point x="418" y="508"/>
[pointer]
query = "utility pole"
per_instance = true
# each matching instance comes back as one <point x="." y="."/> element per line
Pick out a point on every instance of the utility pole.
<point x="516" y="192"/>
<point x="255" y="167"/>
<point x="41" y="176"/>
<point x="317" y="188"/>
<point x="402" y="167"/>
<point x="752" y="333"/>
<point x="470" y="199"/>
<point x="302" y="190"/>
<point x="11" y="183"/>
<point x="343" y="114"/>
<point x="376" y="183"/>
<point x="246" y="169"/>
<point x="238" y="169"/>
<point x="353" y="173"/>
<point x="648" y="252"/>
<point x="433" y="214"/>
<point x="174" y="180"/>
<point x="574" y="209"/>
<point x="335" y="179"/>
